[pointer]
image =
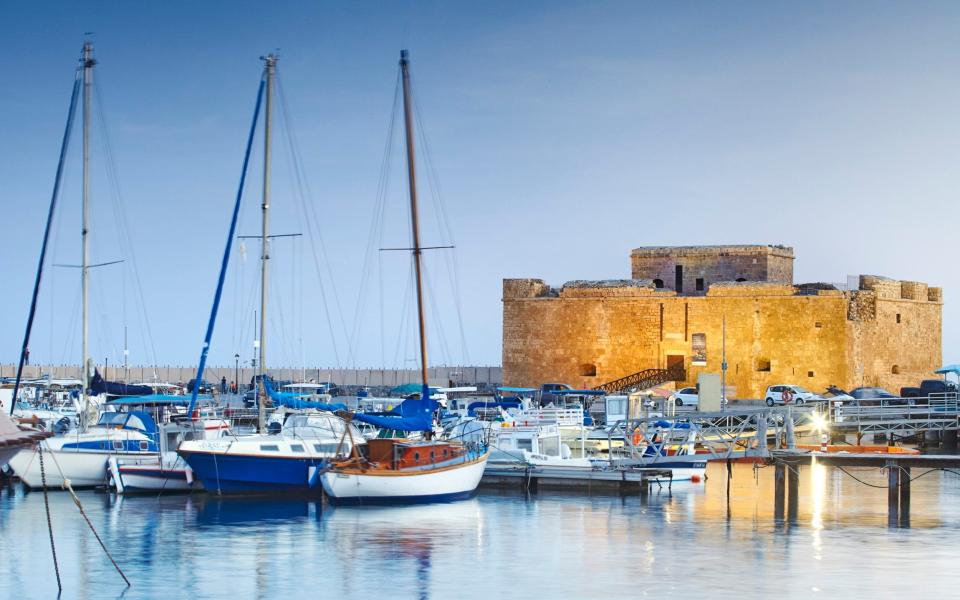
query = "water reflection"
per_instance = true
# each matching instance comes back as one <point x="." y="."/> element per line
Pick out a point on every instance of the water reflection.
<point x="500" y="544"/>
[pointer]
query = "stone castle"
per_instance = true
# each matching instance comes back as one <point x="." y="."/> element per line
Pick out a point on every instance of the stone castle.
<point x="885" y="333"/>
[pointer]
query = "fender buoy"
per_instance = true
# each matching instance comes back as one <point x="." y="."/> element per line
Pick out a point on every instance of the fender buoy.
<point x="637" y="437"/>
<point x="695" y="478"/>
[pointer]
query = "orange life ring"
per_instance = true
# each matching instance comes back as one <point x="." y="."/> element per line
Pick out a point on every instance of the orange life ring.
<point x="786" y="395"/>
<point x="637" y="437"/>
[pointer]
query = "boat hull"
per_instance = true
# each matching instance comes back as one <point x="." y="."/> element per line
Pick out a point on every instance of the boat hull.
<point x="239" y="474"/>
<point x="82" y="468"/>
<point x="152" y="477"/>
<point x="399" y="487"/>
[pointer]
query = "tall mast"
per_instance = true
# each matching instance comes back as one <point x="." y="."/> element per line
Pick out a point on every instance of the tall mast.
<point x="414" y="217"/>
<point x="270" y="69"/>
<point x="88" y="63"/>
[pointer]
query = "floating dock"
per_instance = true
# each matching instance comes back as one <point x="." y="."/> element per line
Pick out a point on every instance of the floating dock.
<point x="534" y="478"/>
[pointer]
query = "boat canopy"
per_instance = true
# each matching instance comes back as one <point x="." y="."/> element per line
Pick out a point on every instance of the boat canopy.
<point x="99" y="385"/>
<point x="412" y="388"/>
<point x="954" y="368"/>
<point x="153" y="399"/>
<point x="291" y="400"/>
<point x="135" y="419"/>
<point x="473" y="406"/>
<point x="517" y="390"/>
<point x="414" y="414"/>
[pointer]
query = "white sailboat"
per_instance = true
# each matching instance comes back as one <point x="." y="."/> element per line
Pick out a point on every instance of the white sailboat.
<point x="81" y="456"/>
<point x="403" y="470"/>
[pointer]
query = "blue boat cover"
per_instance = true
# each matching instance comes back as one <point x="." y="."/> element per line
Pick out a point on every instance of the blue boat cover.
<point x="291" y="400"/>
<point x="411" y="388"/>
<point x="154" y="399"/>
<point x="99" y="385"/>
<point x="668" y="424"/>
<point x="473" y="406"/>
<point x="516" y="390"/>
<point x="579" y="393"/>
<point x="414" y="414"/>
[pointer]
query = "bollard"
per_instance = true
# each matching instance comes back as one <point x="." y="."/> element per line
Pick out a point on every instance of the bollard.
<point x="824" y="439"/>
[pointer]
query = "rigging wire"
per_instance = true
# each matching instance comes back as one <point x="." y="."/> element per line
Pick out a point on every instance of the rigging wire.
<point x="375" y="233"/>
<point x="126" y="239"/>
<point x="314" y="229"/>
<point x="446" y="231"/>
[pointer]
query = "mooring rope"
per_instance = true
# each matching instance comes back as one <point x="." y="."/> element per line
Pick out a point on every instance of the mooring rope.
<point x="46" y="505"/>
<point x="76" y="500"/>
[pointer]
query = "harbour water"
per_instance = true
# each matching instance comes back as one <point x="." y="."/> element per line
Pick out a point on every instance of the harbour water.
<point x="686" y="542"/>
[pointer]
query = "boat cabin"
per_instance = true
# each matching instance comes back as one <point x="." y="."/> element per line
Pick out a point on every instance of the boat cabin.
<point x="401" y="454"/>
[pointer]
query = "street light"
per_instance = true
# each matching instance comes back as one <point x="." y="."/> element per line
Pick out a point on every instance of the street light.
<point x="236" y="371"/>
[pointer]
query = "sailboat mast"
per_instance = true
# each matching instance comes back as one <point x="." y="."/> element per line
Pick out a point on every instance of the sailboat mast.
<point x="88" y="63"/>
<point x="271" y="65"/>
<point x="414" y="217"/>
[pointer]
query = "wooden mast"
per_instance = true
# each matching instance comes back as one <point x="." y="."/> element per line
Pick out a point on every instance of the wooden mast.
<point x="414" y="218"/>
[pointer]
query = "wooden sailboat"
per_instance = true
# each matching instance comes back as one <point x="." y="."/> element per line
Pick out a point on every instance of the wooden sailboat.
<point x="401" y="470"/>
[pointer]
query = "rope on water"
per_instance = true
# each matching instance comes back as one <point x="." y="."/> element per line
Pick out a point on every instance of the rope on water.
<point x="76" y="500"/>
<point x="46" y="505"/>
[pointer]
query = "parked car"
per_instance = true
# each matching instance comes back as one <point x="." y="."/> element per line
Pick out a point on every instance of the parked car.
<point x="929" y="387"/>
<point x="686" y="397"/>
<point x="835" y="394"/>
<point x="774" y="395"/>
<point x="205" y="387"/>
<point x="867" y="396"/>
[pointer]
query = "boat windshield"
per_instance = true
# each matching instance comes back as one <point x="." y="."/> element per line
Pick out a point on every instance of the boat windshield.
<point x="318" y="426"/>
<point x="112" y="419"/>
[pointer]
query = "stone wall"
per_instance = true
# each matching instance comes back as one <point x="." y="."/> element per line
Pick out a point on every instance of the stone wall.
<point x="711" y="264"/>
<point x="775" y="333"/>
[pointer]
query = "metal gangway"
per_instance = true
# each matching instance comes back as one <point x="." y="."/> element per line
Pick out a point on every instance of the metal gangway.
<point x="726" y="435"/>
<point x="898" y="417"/>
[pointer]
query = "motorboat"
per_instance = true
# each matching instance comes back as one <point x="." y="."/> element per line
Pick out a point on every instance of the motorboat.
<point x="287" y="462"/>
<point x="81" y="456"/>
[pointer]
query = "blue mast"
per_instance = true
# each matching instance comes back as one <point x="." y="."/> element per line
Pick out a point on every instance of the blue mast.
<point x="46" y="235"/>
<point x="226" y="256"/>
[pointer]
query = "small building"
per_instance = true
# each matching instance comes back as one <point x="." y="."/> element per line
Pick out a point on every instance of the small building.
<point x="885" y="332"/>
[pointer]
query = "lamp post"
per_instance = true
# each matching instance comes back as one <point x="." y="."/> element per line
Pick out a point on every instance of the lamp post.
<point x="236" y="372"/>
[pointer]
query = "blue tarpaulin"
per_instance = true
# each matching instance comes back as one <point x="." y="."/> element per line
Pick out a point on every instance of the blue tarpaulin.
<point x="414" y="414"/>
<point x="297" y="400"/>
<point x="154" y="399"/>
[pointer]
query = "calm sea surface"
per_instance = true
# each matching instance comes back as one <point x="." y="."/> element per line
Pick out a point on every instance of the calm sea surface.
<point x="684" y="544"/>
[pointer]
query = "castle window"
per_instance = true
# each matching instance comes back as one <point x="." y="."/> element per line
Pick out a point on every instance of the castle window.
<point x="739" y="279"/>
<point x="588" y="370"/>
<point x="763" y="364"/>
<point x="898" y="317"/>
<point x="678" y="279"/>
<point x="818" y="324"/>
<point x="658" y="283"/>
<point x="809" y="373"/>
<point x="895" y="370"/>
<point x="699" y="284"/>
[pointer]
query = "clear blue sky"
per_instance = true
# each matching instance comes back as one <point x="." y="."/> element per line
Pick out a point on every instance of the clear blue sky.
<point x="562" y="135"/>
